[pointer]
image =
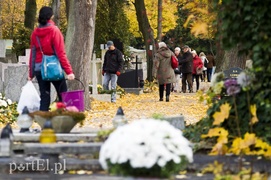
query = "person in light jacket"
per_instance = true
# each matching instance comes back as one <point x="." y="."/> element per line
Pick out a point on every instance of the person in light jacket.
<point x="203" y="59"/>
<point x="163" y="71"/>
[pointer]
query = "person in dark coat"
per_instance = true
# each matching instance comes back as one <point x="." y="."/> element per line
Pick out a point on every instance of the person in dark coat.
<point x="187" y="66"/>
<point x="112" y="66"/>
<point x="162" y="70"/>
<point x="210" y="66"/>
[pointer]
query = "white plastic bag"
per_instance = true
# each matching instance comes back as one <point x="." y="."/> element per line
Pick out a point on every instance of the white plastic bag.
<point x="29" y="97"/>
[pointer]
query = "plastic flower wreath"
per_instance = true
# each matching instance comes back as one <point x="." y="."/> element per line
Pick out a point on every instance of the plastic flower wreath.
<point x="146" y="147"/>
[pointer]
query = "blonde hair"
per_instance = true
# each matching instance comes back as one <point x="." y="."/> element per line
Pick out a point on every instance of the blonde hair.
<point x="202" y="54"/>
<point x="194" y="52"/>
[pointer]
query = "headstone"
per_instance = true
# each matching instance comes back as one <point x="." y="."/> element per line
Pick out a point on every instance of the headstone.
<point x="232" y="72"/>
<point x="2" y="49"/>
<point x="15" y="79"/>
<point x="130" y="79"/>
<point x="4" y="66"/>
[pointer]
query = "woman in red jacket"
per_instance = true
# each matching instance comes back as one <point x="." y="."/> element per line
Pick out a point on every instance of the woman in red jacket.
<point x="52" y="42"/>
<point x="197" y="63"/>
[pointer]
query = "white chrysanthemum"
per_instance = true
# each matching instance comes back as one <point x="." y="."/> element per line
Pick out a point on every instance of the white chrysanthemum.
<point x="3" y="103"/>
<point x="243" y="79"/>
<point x="9" y="101"/>
<point x="144" y="143"/>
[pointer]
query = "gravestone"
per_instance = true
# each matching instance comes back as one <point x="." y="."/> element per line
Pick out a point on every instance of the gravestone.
<point x="2" y="49"/>
<point x="130" y="78"/>
<point x="232" y="72"/>
<point x="15" y="79"/>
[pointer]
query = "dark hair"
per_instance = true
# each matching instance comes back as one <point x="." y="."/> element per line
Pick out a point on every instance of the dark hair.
<point x="45" y="14"/>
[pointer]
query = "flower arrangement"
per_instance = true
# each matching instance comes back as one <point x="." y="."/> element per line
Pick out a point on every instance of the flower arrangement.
<point x="60" y="109"/>
<point x="233" y="122"/>
<point x="146" y="147"/>
<point x="8" y="112"/>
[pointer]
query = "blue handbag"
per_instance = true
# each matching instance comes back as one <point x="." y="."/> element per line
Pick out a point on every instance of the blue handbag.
<point x="51" y="69"/>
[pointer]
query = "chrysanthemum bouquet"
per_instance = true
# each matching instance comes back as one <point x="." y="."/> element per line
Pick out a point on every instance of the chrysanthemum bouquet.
<point x="146" y="148"/>
<point x="8" y="111"/>
<point x="60" y="109"/>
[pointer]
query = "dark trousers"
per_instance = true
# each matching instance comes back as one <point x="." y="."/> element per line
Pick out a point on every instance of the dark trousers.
<point x="187" y="77"/>
<point x="45" y="91"/>
<point x="203" y="76"/>
<point x="195" y="76"/>
<point x="161" y="90"/>
<point x="209" y="74"/>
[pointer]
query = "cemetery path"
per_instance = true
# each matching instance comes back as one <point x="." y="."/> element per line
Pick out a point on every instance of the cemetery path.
<point x="145" y="106"/>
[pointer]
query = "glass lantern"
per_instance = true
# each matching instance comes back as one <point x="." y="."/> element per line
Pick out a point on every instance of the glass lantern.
<point x="24" y="121"/>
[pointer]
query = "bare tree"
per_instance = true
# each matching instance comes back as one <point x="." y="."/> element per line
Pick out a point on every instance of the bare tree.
<point x="1" y="35"/>
<point x="159" y="20"/>
<point x="56" y="9"/>
<point x="147" y="32"/>
<point x="30" y="14"/>
<point x="80" y="39"/>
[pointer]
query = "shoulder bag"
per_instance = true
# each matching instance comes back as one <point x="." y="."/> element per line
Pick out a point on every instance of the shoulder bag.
<point x="199" y="70"/>
<point x="51" y="69"/>
<point x="174" y="62"/>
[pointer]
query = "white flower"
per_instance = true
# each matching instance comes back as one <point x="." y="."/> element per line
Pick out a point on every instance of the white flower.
<point x="3" y="103"/>
<point x="243" y="79"/>
<point x="9" y="101"/>
<point x="144" y="143"/>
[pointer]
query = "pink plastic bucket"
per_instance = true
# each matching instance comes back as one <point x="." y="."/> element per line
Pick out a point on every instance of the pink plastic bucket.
<point x="74" y="98"/>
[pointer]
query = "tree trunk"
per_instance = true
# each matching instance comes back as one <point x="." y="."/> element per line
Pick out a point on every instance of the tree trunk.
<point x="56" y="10"/>
<point x="67" y="2"/>
<point x="79" y="41"/>
<point x="30" y="14"/>
<point x="1" y="34"/>
<point x="230" y="59"/>
<point x="159" y="20"/>
<point x="147" y="32"/>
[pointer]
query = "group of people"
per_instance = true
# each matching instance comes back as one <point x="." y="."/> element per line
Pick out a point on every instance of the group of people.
<point x="191" y="68"/>
<point x="48" y="39"/>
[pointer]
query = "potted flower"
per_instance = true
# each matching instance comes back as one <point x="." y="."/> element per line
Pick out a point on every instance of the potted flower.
<point x="146" y="148"/>
<point x="63" y="118"/>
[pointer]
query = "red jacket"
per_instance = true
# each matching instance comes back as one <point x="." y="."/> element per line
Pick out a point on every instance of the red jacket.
<point x="196" y="63"/>
<point x="51" y="39"/>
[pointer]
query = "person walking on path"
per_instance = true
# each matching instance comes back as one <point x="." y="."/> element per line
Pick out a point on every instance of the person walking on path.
<point x="52" y="42"/>
<point x="112" y="66"/>
<point x="162" y="70"/>
<point x="197" y="64"/>
<point x="177" y="71"/>
<point x="203" y="59"/>
<point x="187" y="65"/>
<point x="210" y="66"/>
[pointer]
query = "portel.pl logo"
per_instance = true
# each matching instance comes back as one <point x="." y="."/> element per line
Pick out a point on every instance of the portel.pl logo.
<point x="37" y="165"/>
